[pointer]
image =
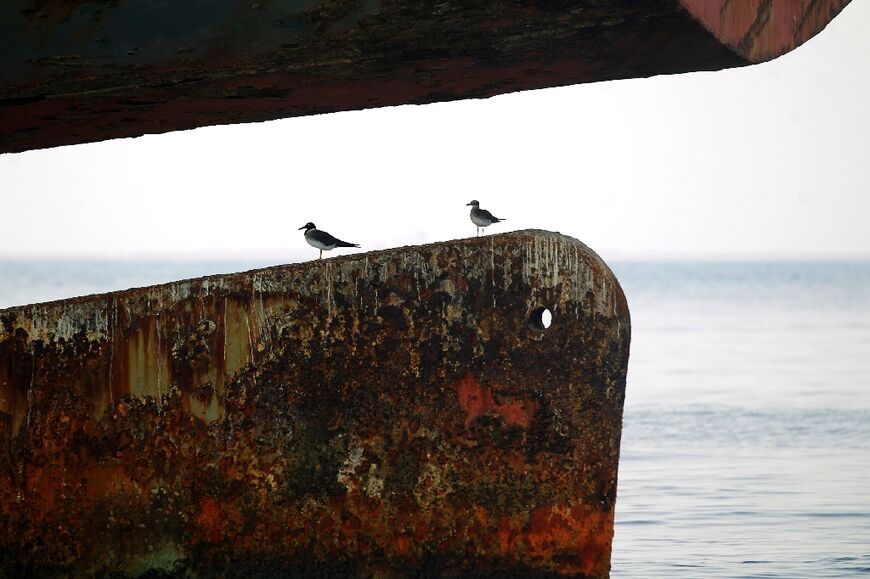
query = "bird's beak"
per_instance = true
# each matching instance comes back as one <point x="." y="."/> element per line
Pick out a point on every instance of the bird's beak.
<point x="467" y="204"/>
<point x="301" y="228"/>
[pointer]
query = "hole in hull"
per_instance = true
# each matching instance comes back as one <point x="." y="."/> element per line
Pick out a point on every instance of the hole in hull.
<point x="541" y="318"/>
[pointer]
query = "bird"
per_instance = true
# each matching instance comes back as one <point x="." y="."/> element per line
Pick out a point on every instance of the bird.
<point x="322" y="240"/>
<point x="482" y="217"/>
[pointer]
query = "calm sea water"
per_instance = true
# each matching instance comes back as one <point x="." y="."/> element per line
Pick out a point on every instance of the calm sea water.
<point x="746" y="446"/>
<point x="746" y="441"/>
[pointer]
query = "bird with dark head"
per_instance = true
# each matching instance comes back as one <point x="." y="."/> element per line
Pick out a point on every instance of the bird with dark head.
<point x="322" y="240"/>
<point x="481" y="217"/>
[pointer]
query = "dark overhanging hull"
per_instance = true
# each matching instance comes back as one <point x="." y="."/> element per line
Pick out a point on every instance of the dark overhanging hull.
<point x="80" y="71"/>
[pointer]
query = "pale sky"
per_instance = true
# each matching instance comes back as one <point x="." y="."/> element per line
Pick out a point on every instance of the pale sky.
<point x="768" y="161"/>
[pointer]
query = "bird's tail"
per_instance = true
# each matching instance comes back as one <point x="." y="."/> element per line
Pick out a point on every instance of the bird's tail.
<point x="346" y="244"/>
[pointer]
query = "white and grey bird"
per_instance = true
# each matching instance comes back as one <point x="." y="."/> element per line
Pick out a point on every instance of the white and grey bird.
<point x="322" y="240"/>
<point x="481" y="217"/>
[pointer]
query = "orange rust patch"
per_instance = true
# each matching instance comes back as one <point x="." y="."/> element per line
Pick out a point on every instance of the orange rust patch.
<point x="505" y="535"/>
<point x="517" y="412"/>
<point x="102" y="480"/>
<point x="517" y="461"/>
<point x="210" y="518"/>
<point x="403" y="544"/>
<point x="578" y="536"/>
<point x="477" y="400"/>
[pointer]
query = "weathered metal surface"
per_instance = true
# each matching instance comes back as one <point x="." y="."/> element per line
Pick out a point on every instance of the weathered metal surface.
<point x="760" y="30"/>
<point x="394" y="413"/>
<point x="75" y="71"/>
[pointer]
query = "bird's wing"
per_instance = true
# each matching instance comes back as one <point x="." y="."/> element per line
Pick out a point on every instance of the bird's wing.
<point x="327" y="239"/>
<point x="487" y="215"/>
<point x="323" y="237"/>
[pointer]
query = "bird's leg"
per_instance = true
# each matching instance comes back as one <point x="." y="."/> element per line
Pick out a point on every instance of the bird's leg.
<point x="477" y="231"/>
<point x="321" y="254"/>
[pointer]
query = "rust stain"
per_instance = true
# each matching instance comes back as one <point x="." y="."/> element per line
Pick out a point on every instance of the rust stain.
<point x="211" y="519"/>
<point x="570" y="534"/>
<point x="477" y="400"/>
<point x="371" y="415"/>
